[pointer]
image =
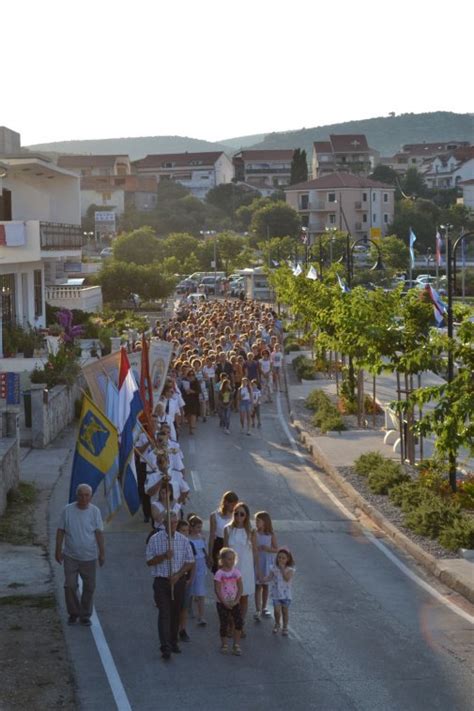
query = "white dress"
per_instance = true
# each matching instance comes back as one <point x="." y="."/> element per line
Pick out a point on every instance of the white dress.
<point x="242" y="545"/>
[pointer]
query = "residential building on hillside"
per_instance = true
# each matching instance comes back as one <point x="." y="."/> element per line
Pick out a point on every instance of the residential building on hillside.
<point x="346" y="202"/>
<point x="343" y="153"/>
<point x="118" y="193"/>
<point x="467" y="187"/>
<point x="414" y="155"/>
<point x="96" y="165"/>
<point x="264" y="170"/>
<point x="197" y="172"/>
<point x="446" y="171"/>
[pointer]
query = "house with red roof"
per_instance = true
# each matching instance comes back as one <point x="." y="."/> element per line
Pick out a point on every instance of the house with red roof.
<point x="346" y="202"/>
<point x="264" y="170"/>
<point x="344" y="153"/>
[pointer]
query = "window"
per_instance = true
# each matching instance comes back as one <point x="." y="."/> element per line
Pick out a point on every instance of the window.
<point x="106" y="196"/>
<point x="374" y="218"/>
<point x="331" y="197"/>
<point x="167" y="165"/>
<point x="413" y="160"/>
<point x="385" y="218"/>
<point x="38" y="292"/>
<point x="374" y="196"/>
<point x="332" y="219"/>
<point x="385" y="197"/>
<point x="304" y="201"/>
<point x="364" y="197"/>
<point x="364" y="217"/>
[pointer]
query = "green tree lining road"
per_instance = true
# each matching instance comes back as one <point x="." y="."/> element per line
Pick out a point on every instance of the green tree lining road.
<point x="363" y="635"/>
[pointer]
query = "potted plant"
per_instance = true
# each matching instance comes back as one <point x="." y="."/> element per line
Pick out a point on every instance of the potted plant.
<point x="28" y="340"/>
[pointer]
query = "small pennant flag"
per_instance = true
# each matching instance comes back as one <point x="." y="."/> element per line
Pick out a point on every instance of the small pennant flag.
<point x="439" y="246"/>
<point x="344" y="288"/>
<point x="412" y="238"/>
<point x="312" y="273"/>
<point x="297" y="270"/>
<point x="439" y="308"/>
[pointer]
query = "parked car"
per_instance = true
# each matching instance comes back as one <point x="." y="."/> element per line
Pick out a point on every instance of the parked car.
<point x="209" y="284"/>
<point x="185" y="285"/>
<point x="195" y="298"/>
<point x="106" y="252"/>
<point x="236" y="286"/>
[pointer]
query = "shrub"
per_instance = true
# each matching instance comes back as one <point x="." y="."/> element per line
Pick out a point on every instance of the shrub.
<point x="460" y="534"/>
<point x="317" y="399"/>
<point x="332" y="422"/>
<point x="465" y="492"/>
<point x="369" y="462"/>
<point x="431" y="517"/>
<point x="291" y="347"/>
<point x="304" y="368"/>
<point x="409" y="495"/>
<point x="386" y="477"/>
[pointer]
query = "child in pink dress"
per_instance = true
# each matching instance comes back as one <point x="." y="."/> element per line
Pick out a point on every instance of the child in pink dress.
<point x="228" y="588"/>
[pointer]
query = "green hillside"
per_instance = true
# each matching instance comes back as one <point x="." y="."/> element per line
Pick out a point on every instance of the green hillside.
<point x="134" y="147"/>
<point x="385" y="134"/>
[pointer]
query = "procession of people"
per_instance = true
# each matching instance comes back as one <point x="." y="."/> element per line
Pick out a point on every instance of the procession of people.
<point x="226" y="365"/>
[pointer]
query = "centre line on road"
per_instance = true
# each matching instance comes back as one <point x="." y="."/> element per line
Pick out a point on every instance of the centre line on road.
<point x="370" y="537"/>
<point x="196" y="480"/>
<point x="111" y="672"/>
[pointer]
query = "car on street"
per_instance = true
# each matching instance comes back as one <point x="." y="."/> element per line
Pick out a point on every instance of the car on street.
<point x="236" y="286"/>
<point x="106" y="252"/>
<point x="186" y="285"/>
<point x="210" y="284"/>
<point x="195" y="298"/>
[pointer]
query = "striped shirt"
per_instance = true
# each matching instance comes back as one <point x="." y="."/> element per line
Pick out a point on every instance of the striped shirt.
<point x="182" y="553"/>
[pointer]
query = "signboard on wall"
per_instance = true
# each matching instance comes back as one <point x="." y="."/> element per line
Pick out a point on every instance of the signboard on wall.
<point x="10" y="388"/>
<point x="105" y="216"/>
<point x="375" y="233"/>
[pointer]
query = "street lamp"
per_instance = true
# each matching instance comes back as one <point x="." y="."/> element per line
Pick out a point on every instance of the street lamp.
<point x="377" y="267"/>
<point x="451" y="250"/>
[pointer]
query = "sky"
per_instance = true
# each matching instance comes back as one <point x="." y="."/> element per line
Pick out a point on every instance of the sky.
<point x="213" y="69"/>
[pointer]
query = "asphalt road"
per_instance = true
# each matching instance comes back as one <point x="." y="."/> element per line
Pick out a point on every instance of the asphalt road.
<point x="363" y="635"/>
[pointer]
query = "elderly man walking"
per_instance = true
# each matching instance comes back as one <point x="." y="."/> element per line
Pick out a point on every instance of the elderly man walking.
<point x="170" y="557"/>
<point x="81" y="530"/>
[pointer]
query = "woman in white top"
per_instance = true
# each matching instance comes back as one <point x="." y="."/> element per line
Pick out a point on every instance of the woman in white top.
<point x="241" y="537"/>
<point x="244" y="402"/>
<point x="158" y="508"/>
<point x="217" y="520"/>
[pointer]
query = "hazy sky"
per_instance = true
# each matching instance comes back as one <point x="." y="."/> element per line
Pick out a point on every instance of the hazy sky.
<point x="215" y="69"/>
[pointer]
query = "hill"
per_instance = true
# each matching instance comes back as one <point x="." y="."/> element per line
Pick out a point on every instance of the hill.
<point x="386" y="134"/>
<point x="134" y="147"/>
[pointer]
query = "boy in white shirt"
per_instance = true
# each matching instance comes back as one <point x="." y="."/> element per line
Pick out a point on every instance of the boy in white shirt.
<point x="256" y="400"/>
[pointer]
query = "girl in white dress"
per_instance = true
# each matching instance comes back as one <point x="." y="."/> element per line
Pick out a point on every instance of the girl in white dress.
<point x="217" y="521"/>
<point x="267" y="547"/>
<point x="240" y="536"/>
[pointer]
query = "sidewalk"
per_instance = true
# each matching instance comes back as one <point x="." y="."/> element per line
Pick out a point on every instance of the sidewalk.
<point x="335" y="451"/>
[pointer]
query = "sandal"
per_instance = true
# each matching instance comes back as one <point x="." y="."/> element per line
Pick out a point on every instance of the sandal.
<point x="236" y="650"/>
<point x="276" y="628"/>
<point x="224" y="649"/>
<point x="285" y="631"/>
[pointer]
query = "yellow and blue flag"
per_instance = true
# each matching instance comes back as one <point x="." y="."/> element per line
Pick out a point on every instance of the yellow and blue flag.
<point x="96" y="455"/>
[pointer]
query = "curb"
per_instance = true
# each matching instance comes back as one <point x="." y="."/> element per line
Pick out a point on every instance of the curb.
<point x="429" y="562"/>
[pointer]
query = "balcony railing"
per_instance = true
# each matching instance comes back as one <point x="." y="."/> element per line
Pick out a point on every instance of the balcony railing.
<point x="59" y="235"/>
<point x="86" y="298"/>
<point x="320" y="205"/>
<point x="265" y="171"/>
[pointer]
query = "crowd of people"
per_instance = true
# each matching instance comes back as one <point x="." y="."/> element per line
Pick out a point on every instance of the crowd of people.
<point x="227" y="362"/>
<point x="227" y="359"/>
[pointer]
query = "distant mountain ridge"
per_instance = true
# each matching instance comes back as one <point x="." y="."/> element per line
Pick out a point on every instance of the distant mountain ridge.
<point x="385" y="134"/>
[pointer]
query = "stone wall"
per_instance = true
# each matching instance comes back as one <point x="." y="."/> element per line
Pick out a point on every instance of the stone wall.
<point x="9" y="468"/>
<point x="51" y="411"/>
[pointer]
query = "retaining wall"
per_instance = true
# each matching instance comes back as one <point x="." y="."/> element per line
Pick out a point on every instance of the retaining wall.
<point x="51" y="411"/>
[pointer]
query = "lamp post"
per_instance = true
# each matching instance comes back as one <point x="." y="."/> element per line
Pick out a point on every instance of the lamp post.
<point x="378" y="266"/>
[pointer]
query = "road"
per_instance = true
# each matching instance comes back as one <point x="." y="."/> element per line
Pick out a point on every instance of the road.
<point x="363" y="635"/>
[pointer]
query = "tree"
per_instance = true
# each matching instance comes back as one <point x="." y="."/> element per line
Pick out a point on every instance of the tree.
<point x="413" y="184"/>
<point x="385" y="174"/>
<point x="245" y="213"/>
<point x="180" y="245"/>
<point x="140" y="247"/>
<point x="119" y="279"/>
<point x="423" y="216"/>
<point x="299" y="167"/>
<point x="275" y="220"/>
<point x="395" y="253"/>
<point x="228" y="197"/>
<point x="229" y="246"/>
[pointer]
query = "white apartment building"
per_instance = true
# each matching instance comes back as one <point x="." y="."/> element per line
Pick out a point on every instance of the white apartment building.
<point x="264" y="170"/>
<point x="343" y="153"/>
<point x="197" y="172"/>
<point x="346" y="202"/>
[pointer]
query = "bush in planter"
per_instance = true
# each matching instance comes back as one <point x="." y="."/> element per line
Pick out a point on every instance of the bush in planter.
<point x="304" y="368"/>
<point x="386" y="477"/>
<point x="60" y="369"/>
<point x="369" y="462"/>
<point x="432" y="516"/>
<point x="317" y="399"/>
<point x="460" y="534"/>
<point x="332" y="422"/>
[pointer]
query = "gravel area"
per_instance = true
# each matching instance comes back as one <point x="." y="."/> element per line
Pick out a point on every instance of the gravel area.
<point x="382" y="503"/>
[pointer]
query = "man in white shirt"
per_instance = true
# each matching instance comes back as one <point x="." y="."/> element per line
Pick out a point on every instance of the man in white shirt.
<point x="81" y="531"/>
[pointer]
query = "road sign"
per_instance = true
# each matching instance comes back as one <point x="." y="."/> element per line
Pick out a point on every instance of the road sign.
<point x="375" y="233"/>
<point x="105" y="216"/>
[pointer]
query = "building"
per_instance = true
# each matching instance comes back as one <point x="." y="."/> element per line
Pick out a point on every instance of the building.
<point x="346" y="202"/>
<point x="467" y="187"/>
<point x="118" y="193"/>
<point x="415" y="155"/>
<point x="447" y="171"/>
<point x="264" y="170"/>
<point x="96" y="165"/>
<point x="40" y="231"/>
<point x="343" y="153"/>
<point x="197" y="172"/>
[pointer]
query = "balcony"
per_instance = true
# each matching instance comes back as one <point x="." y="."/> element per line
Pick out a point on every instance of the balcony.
<point x="358" y="205"/>
<point x="321" y="206"/>
<point x="360" y="226"/>
<point x="86" y="298"/>
<point x="58" y="236"/>
<point x="267" y="171"/>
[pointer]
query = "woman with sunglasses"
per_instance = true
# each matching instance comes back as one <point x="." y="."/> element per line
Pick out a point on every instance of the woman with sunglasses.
<point x="240" y="536"/>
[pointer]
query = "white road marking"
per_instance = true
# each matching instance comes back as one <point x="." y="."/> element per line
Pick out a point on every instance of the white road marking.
<point x="108" y="663"/>
<point x="370" y="537"/>
<point x="196" y="480"/>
